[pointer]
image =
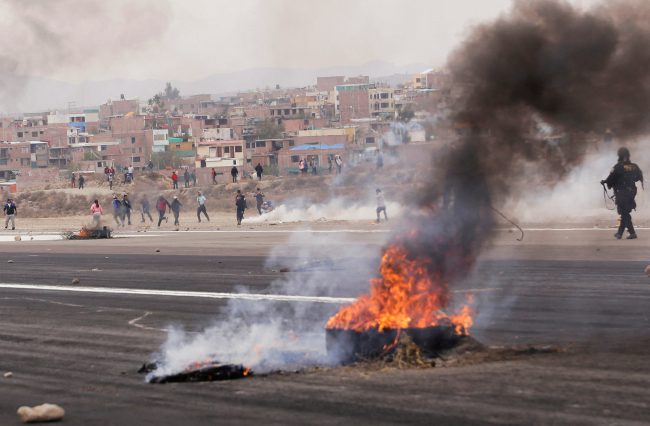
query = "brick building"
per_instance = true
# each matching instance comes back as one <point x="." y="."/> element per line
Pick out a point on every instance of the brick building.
<point x="352" y="102"/>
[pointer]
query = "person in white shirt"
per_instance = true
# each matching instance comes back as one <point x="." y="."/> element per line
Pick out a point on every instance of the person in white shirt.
<point x="201" y="208"/>
<point x="381" y="204"/>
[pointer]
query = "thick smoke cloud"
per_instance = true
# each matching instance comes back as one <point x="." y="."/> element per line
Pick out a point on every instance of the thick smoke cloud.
<point x="62" y="35"/>
<point x="535" y="88"/>
<point x="548" y="69"/>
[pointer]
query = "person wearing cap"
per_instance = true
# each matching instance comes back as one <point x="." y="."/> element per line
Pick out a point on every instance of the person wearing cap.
<point x="10" y="211"/>
<point x="176" y="209"/>
<point x="623" y="178"/>
<point x="161" y="206"/>
<point x="200" y="199"/>
<point x="117" y="211"/>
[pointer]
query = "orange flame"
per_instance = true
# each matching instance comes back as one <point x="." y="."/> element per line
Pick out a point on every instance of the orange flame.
<point x="406" y="295"/>
<point x="84" y="233"/>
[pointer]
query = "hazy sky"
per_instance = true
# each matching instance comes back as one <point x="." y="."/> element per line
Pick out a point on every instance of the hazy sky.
<point x="190" y="39"/>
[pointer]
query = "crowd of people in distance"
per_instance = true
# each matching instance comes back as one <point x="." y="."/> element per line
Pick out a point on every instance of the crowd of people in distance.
<point x="122" y="207"/>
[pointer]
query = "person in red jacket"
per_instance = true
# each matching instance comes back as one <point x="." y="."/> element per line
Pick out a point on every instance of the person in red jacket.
<point x="175" y="179"/>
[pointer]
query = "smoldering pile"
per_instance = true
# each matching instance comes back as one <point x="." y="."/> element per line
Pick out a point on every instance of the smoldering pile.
<point x="91" y="233"/>
<point x="206" y="371"/>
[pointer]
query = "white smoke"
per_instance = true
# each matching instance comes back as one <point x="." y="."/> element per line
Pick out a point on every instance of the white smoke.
<point x="269" y="335"/>
<point x="578" y="199"/>
<point x="337" y="209"/>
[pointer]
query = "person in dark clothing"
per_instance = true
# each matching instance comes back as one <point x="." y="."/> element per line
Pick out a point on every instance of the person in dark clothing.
<point x="193" y="177"/>
<point x="144" y="208"/>
<point x="176" y="209"/>
<point x="259" y="169"/>
<point x="161" y="206"/>
<point x="259" y="198"/>
<point x="126" y="209"/>
<point x="10" y="211"/>
<point x="213" y="173"/>
<point x="623" y="179"/>
<point x="186" y="178"/>
<point x="240" y="203"/>
<point x="82" y="180"/>
<point x="234" y="173"/>
<point x="73" y="181"/>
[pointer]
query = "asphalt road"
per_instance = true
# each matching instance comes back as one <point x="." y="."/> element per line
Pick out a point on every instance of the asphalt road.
<point x="583" y="293"/>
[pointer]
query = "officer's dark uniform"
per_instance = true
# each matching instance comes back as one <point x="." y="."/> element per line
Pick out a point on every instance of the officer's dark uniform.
<point x="623" y="178"/>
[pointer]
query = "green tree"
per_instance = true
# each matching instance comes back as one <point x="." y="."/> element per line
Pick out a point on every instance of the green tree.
<point x="163" y="159"/>
<point x="267" y="129"/>
<point x="171" y="92"/>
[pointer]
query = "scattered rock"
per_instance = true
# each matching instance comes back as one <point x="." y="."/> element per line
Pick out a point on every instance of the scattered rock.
<point x="10" y="261"/>
<point x="17" y="238"/>
<point x="647" y="270"/>
<point x="41" y="413"/>
<point x="95" y="269"/>
<point x="76" y="281"/>
<point x="157" y="250"/>
<point x="187" y="229"/>
<point x="284" y="269"/>
<point x="8" y="374"/>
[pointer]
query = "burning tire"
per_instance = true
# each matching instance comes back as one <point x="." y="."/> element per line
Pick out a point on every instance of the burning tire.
<point x="349" y="346"/>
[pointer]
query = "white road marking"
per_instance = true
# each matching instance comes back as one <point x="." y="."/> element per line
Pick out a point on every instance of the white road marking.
<point x="202" y="294"/>
<point x="134" y="322"/>
<point x="176" y="293"/>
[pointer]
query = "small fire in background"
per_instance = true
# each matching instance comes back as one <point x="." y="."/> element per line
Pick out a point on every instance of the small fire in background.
<point x="87" y="233"/>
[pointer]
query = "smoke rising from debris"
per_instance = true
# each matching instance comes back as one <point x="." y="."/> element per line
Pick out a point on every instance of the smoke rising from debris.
<point x="269" y="335"/>
<point x="66" y="34"/>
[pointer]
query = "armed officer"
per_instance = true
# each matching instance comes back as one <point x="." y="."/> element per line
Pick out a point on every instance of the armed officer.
<point x="623" y="179"/>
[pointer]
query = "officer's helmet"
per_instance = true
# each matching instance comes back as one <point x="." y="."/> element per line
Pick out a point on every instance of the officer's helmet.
<point x="623" y="154"/>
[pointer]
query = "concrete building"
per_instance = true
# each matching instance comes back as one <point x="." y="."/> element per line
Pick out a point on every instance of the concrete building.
<point x="382" y="102"/>
<point x="221" y="155"/>
<point x="118" y="108"/>
<point x="348" y="132"/>
<point x="288" y="159"/>
<point x="160" y="140"/>
<point x="218" y="134"/>
<point x="265" y="151"/>
<point x="430" y="79"/>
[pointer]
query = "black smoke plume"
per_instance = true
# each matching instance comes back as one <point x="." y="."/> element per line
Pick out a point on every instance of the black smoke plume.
<point x="532" y="90"/>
